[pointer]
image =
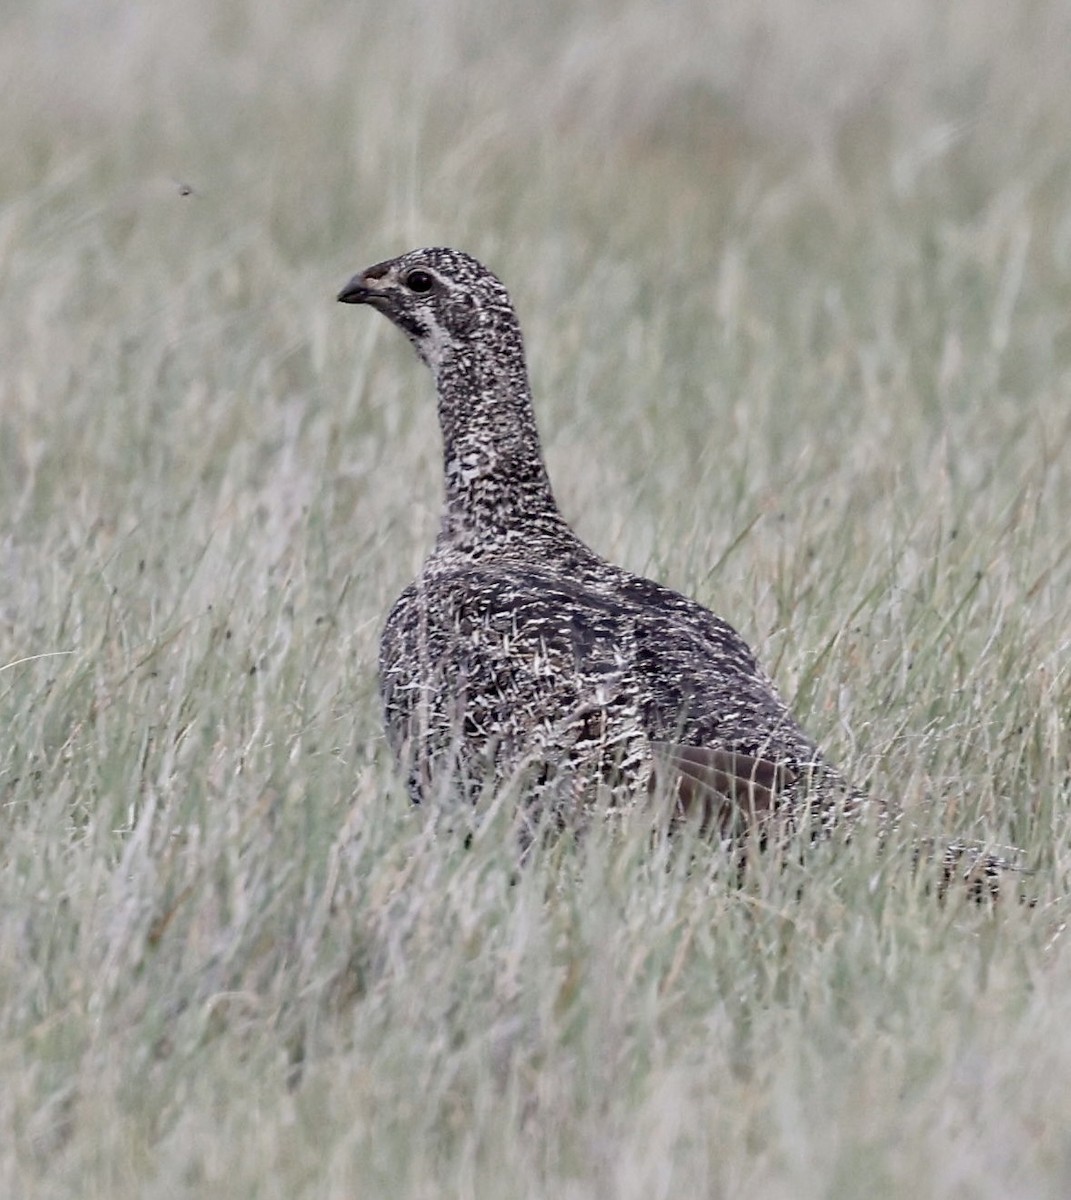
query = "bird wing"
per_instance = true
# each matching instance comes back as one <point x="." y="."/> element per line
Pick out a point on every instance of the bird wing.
<point x="724" y="790"/>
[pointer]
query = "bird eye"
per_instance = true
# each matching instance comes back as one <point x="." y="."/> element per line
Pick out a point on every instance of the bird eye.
<point x="419" y="281"/>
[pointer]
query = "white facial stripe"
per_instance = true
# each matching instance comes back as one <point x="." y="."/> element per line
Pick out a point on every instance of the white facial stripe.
<point x="437" y="343"/>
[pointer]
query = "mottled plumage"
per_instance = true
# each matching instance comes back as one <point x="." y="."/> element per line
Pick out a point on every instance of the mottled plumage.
<point x="518" y="653"/>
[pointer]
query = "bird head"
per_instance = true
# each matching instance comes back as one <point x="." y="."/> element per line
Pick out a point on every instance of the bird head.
<point x="439" y="298"/>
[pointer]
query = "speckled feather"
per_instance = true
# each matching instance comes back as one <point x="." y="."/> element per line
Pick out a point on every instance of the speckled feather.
<point x="518" y="653"/>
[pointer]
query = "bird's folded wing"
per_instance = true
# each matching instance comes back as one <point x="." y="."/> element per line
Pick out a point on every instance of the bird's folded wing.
<point x="725" y="790"/>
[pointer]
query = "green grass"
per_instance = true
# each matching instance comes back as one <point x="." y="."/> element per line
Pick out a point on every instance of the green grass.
<point x="796" y="282"/>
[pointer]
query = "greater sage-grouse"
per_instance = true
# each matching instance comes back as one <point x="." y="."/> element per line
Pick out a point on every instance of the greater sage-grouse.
<point x="519" y="656"/>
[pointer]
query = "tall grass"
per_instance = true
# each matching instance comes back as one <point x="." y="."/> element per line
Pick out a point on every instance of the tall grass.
<point x="796" y="281"/>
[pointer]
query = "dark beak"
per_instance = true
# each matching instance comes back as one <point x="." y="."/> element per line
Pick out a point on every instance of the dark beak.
<point x="357" y="291"/>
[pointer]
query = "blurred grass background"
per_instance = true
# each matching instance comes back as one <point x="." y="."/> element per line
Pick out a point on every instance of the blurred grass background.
<point x="796" y="282"/>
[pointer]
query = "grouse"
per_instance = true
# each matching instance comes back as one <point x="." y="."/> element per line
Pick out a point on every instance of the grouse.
<point x="519" y="656"/>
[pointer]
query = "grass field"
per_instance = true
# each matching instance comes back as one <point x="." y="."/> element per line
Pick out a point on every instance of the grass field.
<point x="796" y="281"/>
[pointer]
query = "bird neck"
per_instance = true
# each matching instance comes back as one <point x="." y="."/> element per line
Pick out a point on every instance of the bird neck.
<point x="498" y="494"/>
